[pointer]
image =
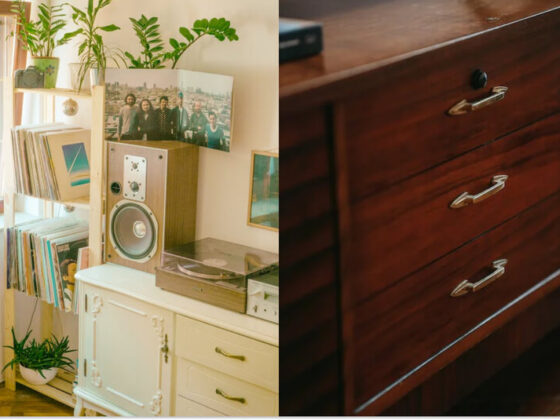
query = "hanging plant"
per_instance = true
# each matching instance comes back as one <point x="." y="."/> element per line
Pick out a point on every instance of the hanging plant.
<point x="153" y="55"/>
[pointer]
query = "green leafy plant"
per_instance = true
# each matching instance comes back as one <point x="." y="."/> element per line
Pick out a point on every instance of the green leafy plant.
<point x="147" y="31"/>
<point x="39" y="37"/>
<point x="93" y="52"/>
<point x="49" y="353"/>
<point x="220" y="29"/>
<point x="154" y="55"/>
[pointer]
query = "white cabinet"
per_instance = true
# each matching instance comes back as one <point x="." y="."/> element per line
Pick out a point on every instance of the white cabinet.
<point x="123" y="357"/>
<point x="147" y="352"/>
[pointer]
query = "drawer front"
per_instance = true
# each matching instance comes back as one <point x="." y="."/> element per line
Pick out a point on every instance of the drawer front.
<point x="217" y="348"/>
<point x="400" y="125"/>
<point x="218" y="391"/>
<point x="411" y="224"/>
<point x="188" y="408"/>
<point x="411" y="321"/>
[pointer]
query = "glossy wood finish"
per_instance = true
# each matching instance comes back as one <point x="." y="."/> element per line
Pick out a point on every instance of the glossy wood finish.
<point x="440" y="392"/>
<point x="369" y="119"/>
<point x="402" y="112"/>
<point x="412" y="222"/>
<point x="26" y="402"/>
<point x="361" y="36"/>
<point x="309" y="326"/>
<point x="416" y="318"/>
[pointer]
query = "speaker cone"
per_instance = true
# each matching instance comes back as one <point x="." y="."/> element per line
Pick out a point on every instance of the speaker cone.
<point x="133" y="231"/>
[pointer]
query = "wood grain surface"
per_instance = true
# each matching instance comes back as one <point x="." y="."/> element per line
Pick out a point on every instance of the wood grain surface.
<point x="363" y="35"/>
<point x="410" y="225"/>
<point x="410" y="322"/>
<point x="309" y="302"/>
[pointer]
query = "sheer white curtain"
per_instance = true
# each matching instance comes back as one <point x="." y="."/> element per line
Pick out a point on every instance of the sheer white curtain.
<point x="7" y="56"/>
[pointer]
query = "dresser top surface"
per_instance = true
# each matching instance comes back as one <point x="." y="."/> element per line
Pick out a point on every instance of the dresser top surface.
<point x="141" y="285"/>
<point x="362" y="35"/>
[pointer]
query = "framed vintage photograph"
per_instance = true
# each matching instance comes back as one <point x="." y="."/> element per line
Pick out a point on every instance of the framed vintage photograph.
<point x="163" y="104"/>
<point x="264" y="191"/>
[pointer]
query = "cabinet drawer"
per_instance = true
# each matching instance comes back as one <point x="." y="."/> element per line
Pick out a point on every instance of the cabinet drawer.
<point x="214" y="347"/>
<point x="214" y="389"/>
<point x="412" y="320"/>
<point x="188" y="408"/>
<point x="400" y="125"/>
<point x="412" y="224"/>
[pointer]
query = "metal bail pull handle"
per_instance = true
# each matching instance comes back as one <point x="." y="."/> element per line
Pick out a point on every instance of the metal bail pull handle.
<point x="465" y="199"/>
<point x="498" y="93"/>
<point x="466" y="286"/>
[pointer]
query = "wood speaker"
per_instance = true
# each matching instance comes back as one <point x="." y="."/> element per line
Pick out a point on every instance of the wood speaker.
<point x="151" y="200"/>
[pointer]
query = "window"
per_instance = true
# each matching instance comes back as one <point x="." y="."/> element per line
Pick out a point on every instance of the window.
<point x="12" y="56"/>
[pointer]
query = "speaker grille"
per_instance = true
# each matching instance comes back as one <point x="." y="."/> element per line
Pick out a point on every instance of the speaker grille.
<point x="133" y="231"/>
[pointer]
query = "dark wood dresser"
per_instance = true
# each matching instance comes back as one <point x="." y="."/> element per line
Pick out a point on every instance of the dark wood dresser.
<point x="420" y="204"/>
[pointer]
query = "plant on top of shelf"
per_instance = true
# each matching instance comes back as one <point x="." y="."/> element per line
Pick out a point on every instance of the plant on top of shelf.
<point x="93" y="52"/>
<point x="39" y="37"/>
<point x="39" y="362"/>
<point x="153" y="55"/>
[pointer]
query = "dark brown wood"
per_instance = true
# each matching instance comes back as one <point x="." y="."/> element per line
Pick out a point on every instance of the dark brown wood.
<point x="20" y="57"/>
<point x="398" y="127"/>
<point x="309" y="333"/>
<point x="410" y="225"/>
<point x="416" y="318"/>
<point x="454" y="382"/>
<point x="361" y="36"/>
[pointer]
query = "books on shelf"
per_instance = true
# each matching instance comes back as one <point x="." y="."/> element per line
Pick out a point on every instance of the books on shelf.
<point x="43" y="259"/>
<point x="52" y="161"/>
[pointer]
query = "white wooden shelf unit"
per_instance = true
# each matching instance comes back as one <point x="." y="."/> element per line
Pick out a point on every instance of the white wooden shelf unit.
<point x="60" y="388"/>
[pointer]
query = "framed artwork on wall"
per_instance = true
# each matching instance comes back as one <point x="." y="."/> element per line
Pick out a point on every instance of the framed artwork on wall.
<point x="264" y="191"/>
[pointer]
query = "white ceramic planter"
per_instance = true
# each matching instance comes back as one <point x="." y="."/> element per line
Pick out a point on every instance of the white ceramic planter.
<point x="35" y="378"/>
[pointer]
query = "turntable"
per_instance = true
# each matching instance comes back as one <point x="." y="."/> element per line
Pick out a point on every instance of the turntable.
<point x="213" y="271"/>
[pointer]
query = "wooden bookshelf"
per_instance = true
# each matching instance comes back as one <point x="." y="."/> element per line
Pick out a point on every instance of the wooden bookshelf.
<point x="69" y="93"/>
<point x="60" y="388"/>
<point x="79" y="203"/>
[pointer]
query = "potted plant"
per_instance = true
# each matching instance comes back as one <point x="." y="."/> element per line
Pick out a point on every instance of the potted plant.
<point x="39" y="37"/>
<point x="39" y="362"/>
<point x="93" y="52"/>
<point x="153" y="55"/>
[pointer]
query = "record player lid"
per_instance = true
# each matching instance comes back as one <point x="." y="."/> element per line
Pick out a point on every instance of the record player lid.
<point x="227" y="256"/>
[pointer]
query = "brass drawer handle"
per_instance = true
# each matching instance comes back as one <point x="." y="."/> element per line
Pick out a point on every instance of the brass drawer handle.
<point x="498" y="184"/>
<point x="463" y="107"/>
<point x="226" y="354"/>
<point x="466" y="286"/>
<point x="229" y="397"/>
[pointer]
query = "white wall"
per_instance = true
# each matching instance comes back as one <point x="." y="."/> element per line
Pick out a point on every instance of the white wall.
<point x="223" y="188"/>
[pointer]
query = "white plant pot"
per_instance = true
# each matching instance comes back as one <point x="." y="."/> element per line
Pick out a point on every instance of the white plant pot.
<point x="34" y="377"/>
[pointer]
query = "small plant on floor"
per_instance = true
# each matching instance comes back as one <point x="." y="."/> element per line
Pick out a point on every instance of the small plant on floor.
<point x="40" y="356"/>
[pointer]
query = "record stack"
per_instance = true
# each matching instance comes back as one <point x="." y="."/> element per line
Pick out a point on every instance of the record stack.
<point x="52" y="161"/>
<point x="43" y="259"/>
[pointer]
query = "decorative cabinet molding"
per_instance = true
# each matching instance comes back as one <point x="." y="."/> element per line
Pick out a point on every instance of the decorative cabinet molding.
<point x="132" y="365"/>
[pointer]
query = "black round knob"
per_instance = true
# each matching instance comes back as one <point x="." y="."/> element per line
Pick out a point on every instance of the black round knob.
<point x="479" y="79"/>
<point x="115" y="188"/>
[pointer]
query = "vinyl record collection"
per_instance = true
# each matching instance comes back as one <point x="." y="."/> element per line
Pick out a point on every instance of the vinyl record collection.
<point x="52" y="161"/>
<point x="43" y="259"/>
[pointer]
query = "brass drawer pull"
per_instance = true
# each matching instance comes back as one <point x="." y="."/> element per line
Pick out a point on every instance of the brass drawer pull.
<point x="498" y="184"/>
<point x="229" y="397"/>
<point x="463" y="107"/>
<point x="466" y="286"/>
<point x="226" y="354"/>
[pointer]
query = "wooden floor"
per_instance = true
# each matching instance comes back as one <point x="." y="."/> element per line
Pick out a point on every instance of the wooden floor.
<point x="530" y="386"/>
<point x="26" y="402"/>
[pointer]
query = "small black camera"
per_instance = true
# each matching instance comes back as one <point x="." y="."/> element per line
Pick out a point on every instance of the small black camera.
<point x="30" y="78"/>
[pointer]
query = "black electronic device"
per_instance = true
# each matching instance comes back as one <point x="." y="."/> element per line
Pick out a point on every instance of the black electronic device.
<point x="299" y="38"/>
<point x="30" y="78"/>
